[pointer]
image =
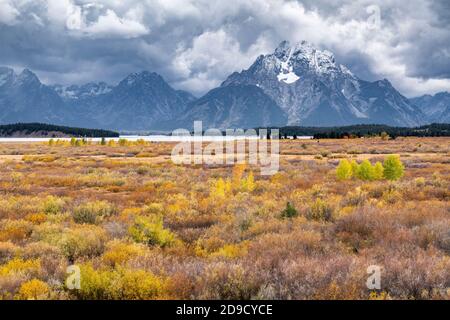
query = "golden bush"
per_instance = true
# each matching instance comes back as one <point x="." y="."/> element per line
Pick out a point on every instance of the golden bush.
<point x="18" y="265"/>
<point x="119" y="284"/>
<point x="118" y="253"/>
<point x="150" y="231"/>
<point x="34" y="290"/>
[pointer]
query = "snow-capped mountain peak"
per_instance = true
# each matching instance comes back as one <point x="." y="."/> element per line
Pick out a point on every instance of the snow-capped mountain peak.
<point x="26" y="77"/>
<point x="139" y="77"/>
<point x="303" y="55"/>
<point x="313" y="89"/>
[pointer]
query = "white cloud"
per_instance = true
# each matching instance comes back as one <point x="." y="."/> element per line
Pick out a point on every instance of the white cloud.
<point x="8" y="13"/>
<point x="110" y="25"/>
<point x="213" y="55"/>
<point x="196" y="44"/>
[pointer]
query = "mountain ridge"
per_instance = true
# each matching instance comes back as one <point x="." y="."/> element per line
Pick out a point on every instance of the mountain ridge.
<point x="436" y="107"/>
<point x="296" y="83"/>
<point x="313" y="89"/>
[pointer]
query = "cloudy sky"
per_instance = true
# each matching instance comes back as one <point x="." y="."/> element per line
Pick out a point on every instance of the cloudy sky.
<point x="196" y="44"/>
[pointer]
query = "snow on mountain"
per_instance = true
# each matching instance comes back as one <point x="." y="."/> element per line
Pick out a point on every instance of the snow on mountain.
<point x="287" y="75"/>
<point x="84" y="91"/>
<point x="297" y="84"/>
<point x="313" y="89"/>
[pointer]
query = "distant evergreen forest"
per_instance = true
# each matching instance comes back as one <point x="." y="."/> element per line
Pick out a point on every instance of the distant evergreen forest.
<point x="30" y="128"/>
<point x="358" y="131"/>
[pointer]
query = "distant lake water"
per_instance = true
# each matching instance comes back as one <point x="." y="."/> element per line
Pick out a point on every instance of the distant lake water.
<point x="150" y="138"/>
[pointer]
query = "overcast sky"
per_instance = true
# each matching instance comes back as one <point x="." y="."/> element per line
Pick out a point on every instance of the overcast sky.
<point x="196" y="44"/>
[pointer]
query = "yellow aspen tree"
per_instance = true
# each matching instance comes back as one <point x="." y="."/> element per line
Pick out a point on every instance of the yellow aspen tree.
<point x="238" y="171"/>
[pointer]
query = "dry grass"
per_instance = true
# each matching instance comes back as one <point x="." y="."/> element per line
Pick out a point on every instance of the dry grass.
<point x="141" y="227"/>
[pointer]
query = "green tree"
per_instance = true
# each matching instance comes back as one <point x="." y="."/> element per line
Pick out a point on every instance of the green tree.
<point x="378" y="171"/>
<point x="365" y="171"/>
<point x="289" y="212"/>
<point x="393" y="168"/>
<point x="103" y="141"/>
<point x="344" y="170"/>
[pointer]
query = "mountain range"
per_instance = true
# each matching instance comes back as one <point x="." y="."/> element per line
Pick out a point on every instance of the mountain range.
<point x="436" y="108"/>
<point x="295" y="85"/>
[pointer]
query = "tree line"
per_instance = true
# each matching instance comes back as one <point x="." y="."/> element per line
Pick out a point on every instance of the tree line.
<point x="30" y="128"/>
<point x="369" y="130"/>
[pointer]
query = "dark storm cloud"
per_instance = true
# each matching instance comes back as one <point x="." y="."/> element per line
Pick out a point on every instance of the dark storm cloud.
<point x="430" y="58"/>
<point x="195" y="44"/>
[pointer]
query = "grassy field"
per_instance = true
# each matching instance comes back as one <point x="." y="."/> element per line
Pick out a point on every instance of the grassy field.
<point x="140" y="227"/>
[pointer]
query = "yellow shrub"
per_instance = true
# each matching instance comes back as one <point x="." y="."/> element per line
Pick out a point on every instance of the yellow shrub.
<point x="53" y="205"/>
<point x="238" y="171"/>
<point x="231" y="251"/>
<point x="16" y="177"/>
<point x="150" y="231"/>
<point x="18" y="265"/>
<point x="219" y="189"/>
<point x="39" y="158"/>
<point x="128" y="214"/>
<point x="75" y="242"/>
<point x="420" y="182"/>
<point x="320" y="210"/>
<point x="118" y="252"/>
<point x="144" y="155"/>
<point x="356" y="198"/>
<point x="391" y="196"/>
<point x="140" y="285"/>
<point x="346" y="211"/>
<point x="379" y="296"/>
<point x="34" y="290"/>
<point x="177" y="203"/>
<point x="84" y="241"/>
<point x="248" y="184"/>
<point x="278" y="178"/>
<point x="36" y="218"/>
<point x="119" y="284"/>
<point x="123" y="142"/>
<point x="206" y="246"/>
<point x="155" y="208"/>
<point x="15" y="230"/>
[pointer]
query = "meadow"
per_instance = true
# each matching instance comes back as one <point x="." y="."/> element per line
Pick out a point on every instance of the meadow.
<point x="140" y="227"/>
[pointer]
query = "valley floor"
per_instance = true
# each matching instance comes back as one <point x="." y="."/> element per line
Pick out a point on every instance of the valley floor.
<point x="137" y="226"/>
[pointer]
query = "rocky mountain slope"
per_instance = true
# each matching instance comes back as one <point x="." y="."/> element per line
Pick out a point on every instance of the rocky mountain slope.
<point x="297" y="85"/>
<point x="234" y="106"/>
<point x="436" y="108"/>
<point x="313" y="89"/>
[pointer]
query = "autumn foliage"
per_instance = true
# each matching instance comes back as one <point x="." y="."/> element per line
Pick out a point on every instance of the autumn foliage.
<point x="140" y="227"/>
